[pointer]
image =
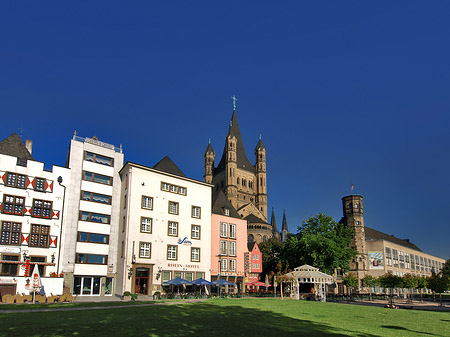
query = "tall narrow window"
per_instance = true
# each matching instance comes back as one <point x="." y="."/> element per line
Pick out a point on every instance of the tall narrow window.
<point x="146" y="225"/>
<point x="173" y="228"/>
<point x="11" y="232"/>
<point x="196" y="211"/>
<point x="147" y="202"/>
<point x="223" y="247"/>
<point x="173" y="207"/>
<point x="232" y="248"/>
<point x="233" y="231"/>
<point x="223" y="229"/>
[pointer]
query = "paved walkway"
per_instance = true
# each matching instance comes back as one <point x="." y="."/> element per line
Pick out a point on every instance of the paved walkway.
<point x="404" y="304"/>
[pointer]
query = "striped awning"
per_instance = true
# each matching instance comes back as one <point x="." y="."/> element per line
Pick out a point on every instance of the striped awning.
<point x="23" y="262"/>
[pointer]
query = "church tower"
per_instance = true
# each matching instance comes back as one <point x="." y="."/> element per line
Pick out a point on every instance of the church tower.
<point x="261" y="175"/>
<point x="354" y="218"/>
<point x="243" y="183"/>
<point x="209" y="163"/>
<point x="284" y="229"/>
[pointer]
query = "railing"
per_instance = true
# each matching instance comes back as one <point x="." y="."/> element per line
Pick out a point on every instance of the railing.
<point x="97" y="142"/>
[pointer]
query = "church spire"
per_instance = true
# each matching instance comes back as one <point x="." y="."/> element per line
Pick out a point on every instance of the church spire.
<point x="273" y="223"/>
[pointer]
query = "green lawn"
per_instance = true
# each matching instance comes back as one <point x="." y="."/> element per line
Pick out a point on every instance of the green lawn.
<point x="230" y="317"/>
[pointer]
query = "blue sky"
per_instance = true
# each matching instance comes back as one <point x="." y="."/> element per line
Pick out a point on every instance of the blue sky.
<point x="341" y="91"/>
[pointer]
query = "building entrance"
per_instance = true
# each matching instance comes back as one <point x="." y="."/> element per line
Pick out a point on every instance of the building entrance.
<point x="141" y="283"/>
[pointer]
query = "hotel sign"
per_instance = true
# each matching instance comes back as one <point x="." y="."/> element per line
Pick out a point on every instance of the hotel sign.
<point x="11" y="250"/>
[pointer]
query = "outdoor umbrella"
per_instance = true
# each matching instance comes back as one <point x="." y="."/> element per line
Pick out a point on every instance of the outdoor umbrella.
<point x="222" y="282"/>
<point x="36" y="281"/>
<point x="201" y="282"/>
<point x="177" y="281"/>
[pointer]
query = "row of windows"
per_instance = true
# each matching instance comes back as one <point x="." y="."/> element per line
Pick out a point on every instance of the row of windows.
<point x="12" y="232"/>
<point x="173" y="207"/>
<point x="9" y="269"/>
<point x="99" y="159"/>
<point x="227" y="230"/>
<point x="228" y="265"/>
<point x="227" y="248"/>
<point x="400" y="259"/>
<point x="93" y="237"/>
<point x="145" y="249"/>
<point x="172" y="228"/>
<point x="21" y="181"/>
<point x="97" y="178"/>
<point x="91" y="258"/>
<point x="96" y="197"/>
<point x="16" y="206"/>
<point x="188" y="275"/>
<point x="173" y="188"/>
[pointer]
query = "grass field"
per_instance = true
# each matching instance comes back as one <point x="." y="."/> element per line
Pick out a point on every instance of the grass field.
<point x="229" y="317"/>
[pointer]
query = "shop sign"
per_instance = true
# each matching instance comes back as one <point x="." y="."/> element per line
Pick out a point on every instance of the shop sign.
<point x="185" y="241"/>
<point x="7" y="280"/>
<point x="11" y="250"/>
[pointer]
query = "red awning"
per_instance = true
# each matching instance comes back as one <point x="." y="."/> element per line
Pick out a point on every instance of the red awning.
<point x="257" y="284"/>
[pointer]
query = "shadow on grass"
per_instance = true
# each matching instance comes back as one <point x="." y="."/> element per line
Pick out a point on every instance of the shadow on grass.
<point x="175" y="320"/>
<point x="393" y="327"/>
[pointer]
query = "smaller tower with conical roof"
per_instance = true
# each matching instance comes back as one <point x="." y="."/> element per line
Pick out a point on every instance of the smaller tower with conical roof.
<point x="285" y="229"/>
<point x="261" y="176"/>
<point x="209" y="163"/>
<point x="273" y="223"/>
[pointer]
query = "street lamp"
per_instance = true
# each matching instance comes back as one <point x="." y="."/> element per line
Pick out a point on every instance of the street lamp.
<point x="218" y="274"/>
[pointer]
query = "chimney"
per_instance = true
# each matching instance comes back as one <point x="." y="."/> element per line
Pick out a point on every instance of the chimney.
<point x="29" y="145"/>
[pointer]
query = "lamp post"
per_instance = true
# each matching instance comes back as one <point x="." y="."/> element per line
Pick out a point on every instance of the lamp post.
<point x="60" y="180"/>
<point x="218" y="274"/>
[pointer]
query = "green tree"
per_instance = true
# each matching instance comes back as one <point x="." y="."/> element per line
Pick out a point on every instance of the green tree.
<point x="438" y="283"/>
<point x="446" y="268"/>
<point x="350" y="281"/>
<point x="390" y="281"/>
<point x="410" y="282"/>
<point x="369" y="281"/>
<point x="271" y="254"/>
<point x="421" y="284"/>
<point x="321" y="242"/>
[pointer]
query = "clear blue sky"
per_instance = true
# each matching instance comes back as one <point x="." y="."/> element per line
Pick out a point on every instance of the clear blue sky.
<point x="342" y="92"/>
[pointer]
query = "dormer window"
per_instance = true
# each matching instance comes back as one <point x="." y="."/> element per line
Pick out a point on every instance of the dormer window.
<point x="226" y="211"/>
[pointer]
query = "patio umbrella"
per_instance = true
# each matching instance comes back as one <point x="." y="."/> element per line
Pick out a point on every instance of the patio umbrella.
<point x="177" y="281"/>
<point x="222" y="282"/>
<point x="201" y="282"/>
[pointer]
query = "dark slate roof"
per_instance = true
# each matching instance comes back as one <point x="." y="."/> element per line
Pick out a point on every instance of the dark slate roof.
<point x="251" y="245"/>
<point x="260" y="145"/>
<point x="251" y="218"/>
<point x="220" y="202"/>
<point x="285" y="225"/>
<point x="13" y="146"/>
<point x="167" y="165"/>
<point x="372" y="234"/>
<point x="242" y="160"/>
<point x="273" y="222"/>
<point x="209" y="149"/>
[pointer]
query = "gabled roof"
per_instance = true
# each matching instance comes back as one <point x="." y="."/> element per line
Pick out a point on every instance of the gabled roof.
<point x="220" y="203"/>
<point x="241" y="158"/>
<point x="13" y="146"/>
<point x="251" y="245"/>
<point x="254" y="219"/>
<point x="372" y="234"/>
<point x="167" y="165"/>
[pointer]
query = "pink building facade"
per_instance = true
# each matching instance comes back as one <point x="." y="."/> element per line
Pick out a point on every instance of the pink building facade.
<point x="255" y="264"/>
<point x="228" y="243"/>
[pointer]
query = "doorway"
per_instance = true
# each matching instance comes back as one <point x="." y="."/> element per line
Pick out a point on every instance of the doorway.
<point x="141" y="281"/>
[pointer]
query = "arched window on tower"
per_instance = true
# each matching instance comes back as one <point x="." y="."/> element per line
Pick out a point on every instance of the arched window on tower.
<point x="237" y="180"/>
<point x="251" y="238"/>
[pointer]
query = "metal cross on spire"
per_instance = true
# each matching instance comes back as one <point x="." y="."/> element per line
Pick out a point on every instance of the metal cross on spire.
<point x="234" y="101"/>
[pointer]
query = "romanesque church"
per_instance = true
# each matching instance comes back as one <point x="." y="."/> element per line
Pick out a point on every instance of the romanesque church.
<point x="244" y="184"/>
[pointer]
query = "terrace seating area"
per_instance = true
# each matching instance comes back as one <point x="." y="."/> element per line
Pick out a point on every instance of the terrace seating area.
<point x="22" y="298"/>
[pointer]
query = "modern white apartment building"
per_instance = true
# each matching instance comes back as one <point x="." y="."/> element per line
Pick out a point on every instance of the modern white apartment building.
<point x="165" y="227"/>
<point x="91" y="223"/>
<point x="31" y="203"/>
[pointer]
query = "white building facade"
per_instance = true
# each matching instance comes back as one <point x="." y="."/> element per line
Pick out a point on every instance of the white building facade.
<point x="31" y="211"/>
<point x="91" y="225"/>
<point x="165" y="228"/>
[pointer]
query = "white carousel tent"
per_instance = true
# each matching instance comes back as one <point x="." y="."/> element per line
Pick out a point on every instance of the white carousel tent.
<point x="309" y="274"/>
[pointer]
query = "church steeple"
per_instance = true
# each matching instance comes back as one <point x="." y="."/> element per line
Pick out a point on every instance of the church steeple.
<point x="285" y="229"/>
<point x="273" y="223"/>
